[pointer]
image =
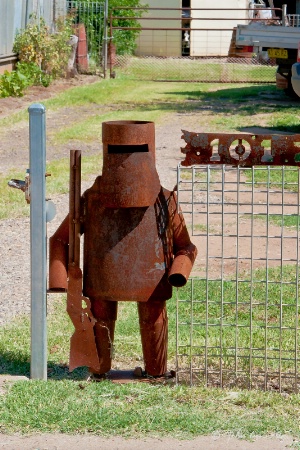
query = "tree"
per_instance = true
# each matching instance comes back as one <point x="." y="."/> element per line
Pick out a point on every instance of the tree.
<point x="125" y="40"/>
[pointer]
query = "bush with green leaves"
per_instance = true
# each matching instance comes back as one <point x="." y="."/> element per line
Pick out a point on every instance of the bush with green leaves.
<point x="13" y="84"/>
<point x="48" y="51"/>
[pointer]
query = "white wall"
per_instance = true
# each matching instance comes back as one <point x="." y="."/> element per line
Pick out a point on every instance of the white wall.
<point x="215" y="41"/>
<point x="202" y="43"/>
<point x="160" y="42"/>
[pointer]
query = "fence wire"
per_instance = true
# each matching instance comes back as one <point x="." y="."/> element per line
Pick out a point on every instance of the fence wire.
<point x="238" y="319"/>
<point x="210" y="70"/>
<point x="246" y="68"/>
<point x="91" y="15"/>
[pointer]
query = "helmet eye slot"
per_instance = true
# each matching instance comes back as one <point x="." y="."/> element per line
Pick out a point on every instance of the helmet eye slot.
<point x="117" y="149"/>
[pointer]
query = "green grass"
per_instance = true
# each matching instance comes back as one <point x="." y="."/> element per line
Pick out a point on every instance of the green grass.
<point x="68" y="404"/>
<point x="275" y="178"/>
<point x="179" y="69"/>
<point x="261" y="315"/>
<point x="289" y="221"/>
<point x="12" y="201"/>
<point x="58" y="183"/>
<point x="139" y="410"/>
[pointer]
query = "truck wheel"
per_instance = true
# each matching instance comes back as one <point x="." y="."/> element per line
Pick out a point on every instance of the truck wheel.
<point x="295" y="78"/>
<point x="283" y="81"/>
<point x="290" y="90"/>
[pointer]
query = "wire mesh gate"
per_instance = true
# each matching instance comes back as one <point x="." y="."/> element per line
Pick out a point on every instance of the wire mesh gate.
<point x="237" y="319"/>
<point x="91" y="15"/>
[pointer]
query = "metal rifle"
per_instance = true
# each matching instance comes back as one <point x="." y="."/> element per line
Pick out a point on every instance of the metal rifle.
<point x="83" y="350"/>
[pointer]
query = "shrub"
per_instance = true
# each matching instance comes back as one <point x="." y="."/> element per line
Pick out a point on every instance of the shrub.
<point x="13" y="84"/>
<point x="125" y="40"/>
<point x="48" y="51"/>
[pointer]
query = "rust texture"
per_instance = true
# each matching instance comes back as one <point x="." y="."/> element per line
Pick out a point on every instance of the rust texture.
<point x="284" y="149"/>
<point x="65" y="274"/>
<point x="136" y="245"/>
<point x="83" y="350"/>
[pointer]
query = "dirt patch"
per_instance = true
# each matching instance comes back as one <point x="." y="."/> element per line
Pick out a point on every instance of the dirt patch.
<point x="14" y="142"/>
<point x="61" y="442"/>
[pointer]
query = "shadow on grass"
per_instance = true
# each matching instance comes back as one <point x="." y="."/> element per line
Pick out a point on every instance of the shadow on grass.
<point x="11" y="365"/>
<point x="239" y="93"/>
<point x="247" y="101"/>
<point x="283" y="130"/>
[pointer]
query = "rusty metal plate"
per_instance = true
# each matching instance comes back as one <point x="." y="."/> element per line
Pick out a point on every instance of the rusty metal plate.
<point x="240" y="149"/>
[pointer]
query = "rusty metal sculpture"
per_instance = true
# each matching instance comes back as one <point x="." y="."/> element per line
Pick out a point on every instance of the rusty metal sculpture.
<point x="136" y="247"/>
<point x="199" y="149"/>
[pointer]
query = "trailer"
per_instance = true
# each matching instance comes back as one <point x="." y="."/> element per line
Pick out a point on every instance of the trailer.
<point x="276" y="37"/>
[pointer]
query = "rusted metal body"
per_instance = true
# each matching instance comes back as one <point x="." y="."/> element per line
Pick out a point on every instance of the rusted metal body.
<point x="136" y="244"/>
<point x="199" y="149"/>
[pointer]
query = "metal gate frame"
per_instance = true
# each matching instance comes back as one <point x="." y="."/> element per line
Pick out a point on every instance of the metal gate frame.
<point x="237" y="320"/>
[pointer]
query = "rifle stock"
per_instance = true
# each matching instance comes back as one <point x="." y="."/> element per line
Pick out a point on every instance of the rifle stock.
<point x="83" y="350"/>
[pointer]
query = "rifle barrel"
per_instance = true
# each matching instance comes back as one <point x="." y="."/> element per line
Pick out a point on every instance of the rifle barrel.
<point x="74" y="207"/>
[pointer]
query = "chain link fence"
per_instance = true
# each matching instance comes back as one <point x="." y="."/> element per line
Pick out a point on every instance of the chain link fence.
<point x="246" y="68"/>
<point x="210" y="70"/>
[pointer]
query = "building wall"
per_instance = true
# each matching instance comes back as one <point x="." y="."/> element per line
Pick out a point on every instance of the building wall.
<point x="160" y="42"/>
<point x="14" y="16"/>
<point x="213" y="41"/>
<point x="216" y="39"/>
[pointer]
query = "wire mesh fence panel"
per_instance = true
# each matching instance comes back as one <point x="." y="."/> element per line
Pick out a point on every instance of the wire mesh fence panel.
<point x="210" y="70"/>
<point x="237" y="320"/>
<point x="91" y="16"/>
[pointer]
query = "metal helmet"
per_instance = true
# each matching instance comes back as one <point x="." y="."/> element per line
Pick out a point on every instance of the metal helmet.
<point x="129" y="176"/>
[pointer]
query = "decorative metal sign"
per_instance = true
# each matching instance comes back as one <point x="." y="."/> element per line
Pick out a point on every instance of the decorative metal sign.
<point x="240" y="149"/>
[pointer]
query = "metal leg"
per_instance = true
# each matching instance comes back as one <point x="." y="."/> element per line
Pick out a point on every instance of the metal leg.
<point x="105" y="312"/>
<point x="154" y="333"/>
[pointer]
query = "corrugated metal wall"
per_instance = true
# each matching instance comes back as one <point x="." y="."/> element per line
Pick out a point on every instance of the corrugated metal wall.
<point x="14" y="15"/>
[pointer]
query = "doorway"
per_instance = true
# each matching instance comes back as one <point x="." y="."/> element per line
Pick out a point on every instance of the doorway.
<point x="185" y="25"/>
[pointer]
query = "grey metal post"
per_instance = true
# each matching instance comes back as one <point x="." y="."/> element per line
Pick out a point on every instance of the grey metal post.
<point x="284" y="18"/>
<point x="37" y="142"/>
